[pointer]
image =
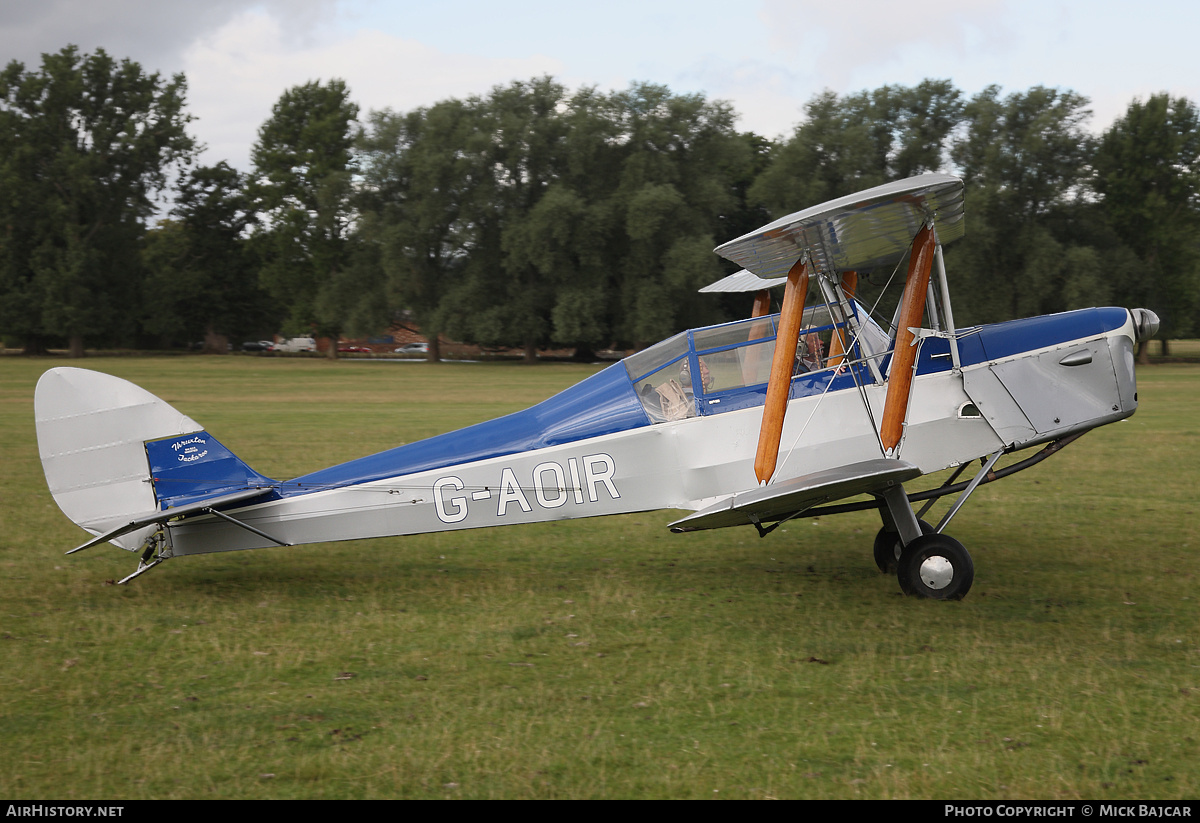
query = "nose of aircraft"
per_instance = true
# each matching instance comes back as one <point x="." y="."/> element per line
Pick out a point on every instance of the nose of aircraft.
<point x="1146" y="323"/>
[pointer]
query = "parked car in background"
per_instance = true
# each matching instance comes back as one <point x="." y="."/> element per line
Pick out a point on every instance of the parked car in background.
<point x="296" y="344"/>
<point x="258" y="345"/>
<point x="349" y="349"/>
<point x="413" y="348"/>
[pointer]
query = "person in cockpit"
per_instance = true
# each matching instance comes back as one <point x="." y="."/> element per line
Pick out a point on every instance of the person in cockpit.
<point x="685" y="376"/>
<point x="809" y="353"/>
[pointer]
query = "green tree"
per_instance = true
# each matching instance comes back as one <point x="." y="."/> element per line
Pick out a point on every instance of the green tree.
<point x="423" y="172"/>
<point x="201" y="279"/>
<point x="531" y="216"/>
<point x="1025" y="159"/>
<point x="846" y="144"/>
<point x="86" y="143"/>
<point x="303" y="180"/>
<point x="557" y="233"/>
<point x="681" y="163"/>
<point x="512" y="302"/>
<point x="1148" y="171"/>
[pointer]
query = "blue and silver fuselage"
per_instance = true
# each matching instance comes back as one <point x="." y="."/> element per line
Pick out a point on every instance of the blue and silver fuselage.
<point x="606" y="446"/>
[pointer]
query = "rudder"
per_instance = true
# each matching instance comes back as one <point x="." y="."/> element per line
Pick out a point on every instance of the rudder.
<point x="98" y="436"/>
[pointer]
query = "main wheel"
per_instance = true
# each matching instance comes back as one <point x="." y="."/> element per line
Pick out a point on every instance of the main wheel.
<point x="887" y="548"/>
<point x="936" y="566"/>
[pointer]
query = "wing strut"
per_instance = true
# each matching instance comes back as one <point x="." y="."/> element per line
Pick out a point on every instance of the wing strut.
<point x="759" y="330"/>
<point x="762" y="303"/>
<point x="838" y="346"/>
<point x="912" y="309"/>
<point x="780" y="384"/>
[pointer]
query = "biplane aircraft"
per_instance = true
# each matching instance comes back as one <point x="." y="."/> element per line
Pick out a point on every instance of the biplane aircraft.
<point x="750" y="423"/>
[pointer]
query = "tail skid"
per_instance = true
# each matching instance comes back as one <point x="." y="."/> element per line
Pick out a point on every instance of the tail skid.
<point x="157" y="547"/>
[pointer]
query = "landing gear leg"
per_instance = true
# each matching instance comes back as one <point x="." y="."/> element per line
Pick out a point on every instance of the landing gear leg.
<point x="888" y="547"/>
<point x="900" y="527"/>
<point x="927" y="564"/>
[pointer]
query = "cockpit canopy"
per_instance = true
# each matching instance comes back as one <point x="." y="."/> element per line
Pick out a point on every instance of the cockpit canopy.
<point x="726" y="367"/>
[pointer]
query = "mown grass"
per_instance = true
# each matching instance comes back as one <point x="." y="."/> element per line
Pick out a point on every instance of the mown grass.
<point x="606" y="657"/>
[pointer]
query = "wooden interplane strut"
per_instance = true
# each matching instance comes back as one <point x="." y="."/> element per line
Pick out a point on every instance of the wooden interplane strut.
<point x="780" y="384"/>
<point x="912" y="310"/>
<point x="759" y="330"/>
<point x="839" y="345"/>
<point x="762" y="303"/>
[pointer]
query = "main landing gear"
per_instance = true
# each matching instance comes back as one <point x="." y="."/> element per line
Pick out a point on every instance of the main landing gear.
<point x="935" y="566"/>
<point x="927" y="563"/>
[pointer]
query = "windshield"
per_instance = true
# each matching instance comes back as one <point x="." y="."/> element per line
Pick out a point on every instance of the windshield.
<point x="656" y="376"/>
<point x="669" y="376"/>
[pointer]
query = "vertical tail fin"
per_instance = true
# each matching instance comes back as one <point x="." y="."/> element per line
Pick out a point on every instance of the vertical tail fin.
<point x="114" y="453"/>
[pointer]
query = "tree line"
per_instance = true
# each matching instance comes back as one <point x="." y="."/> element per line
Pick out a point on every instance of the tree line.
<point x="535" y="215"/>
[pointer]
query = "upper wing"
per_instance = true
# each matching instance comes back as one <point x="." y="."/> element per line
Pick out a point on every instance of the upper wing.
<point x="791" y="497"/>
<point x="862" y="230"/>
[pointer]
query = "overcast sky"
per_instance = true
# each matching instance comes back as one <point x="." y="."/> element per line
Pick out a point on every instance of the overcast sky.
<point x="766" y="57"/>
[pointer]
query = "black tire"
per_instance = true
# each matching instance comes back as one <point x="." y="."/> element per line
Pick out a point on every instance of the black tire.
<point x="887" y="548"/>
<point x="936" y="566"/>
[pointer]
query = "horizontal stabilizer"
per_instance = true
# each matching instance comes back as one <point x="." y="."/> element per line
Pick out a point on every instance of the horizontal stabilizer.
<point x="161" y="516"/>
<point x="775" y="502"/>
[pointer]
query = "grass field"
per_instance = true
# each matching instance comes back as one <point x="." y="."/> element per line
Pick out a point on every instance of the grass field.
<point x="606" y="657"/>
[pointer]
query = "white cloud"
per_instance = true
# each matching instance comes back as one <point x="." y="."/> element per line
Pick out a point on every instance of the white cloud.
<point x="151" y="32"/>
<point x="808" y="47"/>
<point x="240" y="55"/>
<point x="768" y="97"/>
<point x="237" y="73"/>
<point x="853" y="33"/>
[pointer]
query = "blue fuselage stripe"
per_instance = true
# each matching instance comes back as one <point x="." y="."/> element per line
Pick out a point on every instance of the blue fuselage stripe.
<point x="602" y="404"/>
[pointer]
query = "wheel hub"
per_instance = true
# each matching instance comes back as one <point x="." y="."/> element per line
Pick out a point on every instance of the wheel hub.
<point x="937" y="572"/>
